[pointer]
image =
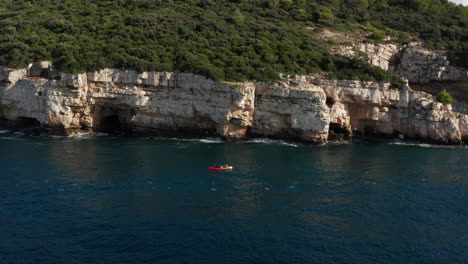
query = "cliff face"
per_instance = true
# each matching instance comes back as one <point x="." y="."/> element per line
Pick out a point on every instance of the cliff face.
<point x="291" y="109"/>
<point x="381" y="55"/>
<point x="420" y="65"/>
<point x="112" y="99"/>
<point x="375" y="109"/>
<point x="305" y="108"/>
<point x="412" y="61"/>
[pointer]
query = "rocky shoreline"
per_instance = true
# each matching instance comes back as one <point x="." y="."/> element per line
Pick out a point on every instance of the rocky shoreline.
<point x="303" y="108"/>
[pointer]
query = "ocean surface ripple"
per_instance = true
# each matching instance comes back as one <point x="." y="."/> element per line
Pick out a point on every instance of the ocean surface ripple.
<point x="99" y="199"/>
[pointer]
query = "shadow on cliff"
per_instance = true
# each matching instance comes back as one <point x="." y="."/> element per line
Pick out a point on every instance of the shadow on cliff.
<point x="30" y="126"/>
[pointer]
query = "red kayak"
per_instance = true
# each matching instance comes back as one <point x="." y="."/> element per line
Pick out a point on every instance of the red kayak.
<point x="221" y="168"/>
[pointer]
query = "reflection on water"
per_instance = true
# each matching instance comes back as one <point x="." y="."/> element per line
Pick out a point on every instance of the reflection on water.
<point x="148" y="200"/>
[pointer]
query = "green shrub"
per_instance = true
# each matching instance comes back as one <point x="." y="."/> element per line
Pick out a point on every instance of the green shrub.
<point x="333" y="42"/>
<point x="234" y="40"/>
<point x="445" y="97"/>
<point x="236" y="86"/>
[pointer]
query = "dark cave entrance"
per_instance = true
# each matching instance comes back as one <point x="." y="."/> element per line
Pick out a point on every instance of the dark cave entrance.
<point x="112" y="119"/>
<point x="338" y="133"/>
<point x="45" y="74"/>
<point x="369" y="131"/>
<point x="28" y="125"/>
<point x="465" y="140"/>
<point x="26" y="122"/>
<point x="110" y="124"/>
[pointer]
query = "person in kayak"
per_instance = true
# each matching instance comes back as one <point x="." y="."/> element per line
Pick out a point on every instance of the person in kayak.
<point x="221" y="167"/>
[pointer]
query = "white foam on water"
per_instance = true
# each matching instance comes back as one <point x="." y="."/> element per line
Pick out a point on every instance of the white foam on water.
<point x="213" y="189"/>
<point x="56" y="137"/>
<point x="267" y="189"/>
<point x="89" y="135"/>
<point x="425" y="145"/>
<point x="210" y="140"/>
<point x="289" y="144"/>
<point x="19" y="133"/>
<point x="292" y="187"/>
<point x="271" y="141"/>
<point x="12" y="138"/>
<point x="81" y="136"/>
<point x="4" y="131"/>
<point x="200" y="140"/>
<point x="338" y="143"/>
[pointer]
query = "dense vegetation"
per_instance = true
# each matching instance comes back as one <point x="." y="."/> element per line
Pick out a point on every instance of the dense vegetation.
<point x="445" y="97"/>
<point x="227" y="40"/>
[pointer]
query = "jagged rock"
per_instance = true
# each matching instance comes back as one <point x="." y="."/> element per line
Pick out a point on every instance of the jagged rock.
<point x="12" y="75"/>
<point x="297" y="107"/>
<point x="380" y="55"/>
<point x="387" y="111"/>
<point x="411" y="61"/>
<point x="294" y="110"/>
<point x="420" y="65"/>
<point x="40" y="69"/>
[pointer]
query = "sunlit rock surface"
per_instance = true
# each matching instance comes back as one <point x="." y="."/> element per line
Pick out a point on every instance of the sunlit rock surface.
<point x="305" y="108"/>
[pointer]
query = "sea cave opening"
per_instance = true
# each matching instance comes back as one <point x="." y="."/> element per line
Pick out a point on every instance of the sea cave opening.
<point x="110" y="124"/>
<point x="26" y="122"/>
<point x="465" y="140"/>
<point x="338" y="132"/>
<point x="28" y="125"/>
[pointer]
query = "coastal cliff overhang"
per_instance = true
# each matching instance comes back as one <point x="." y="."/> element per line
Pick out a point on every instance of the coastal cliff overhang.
<point x="305" y="108"/>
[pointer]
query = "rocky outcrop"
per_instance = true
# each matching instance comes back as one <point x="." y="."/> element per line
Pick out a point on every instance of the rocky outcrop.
<point x="426" y="70"/>
<point x="292" y="109"/>
<point x="412" y="61"/>
<point x="420" y="65"/>
<point x="156" y="102"/>
<point x="305" y="108"/>
<point x="380" y="55"/>
<point x="374" y="109"/>
<point x="169" y="102"/>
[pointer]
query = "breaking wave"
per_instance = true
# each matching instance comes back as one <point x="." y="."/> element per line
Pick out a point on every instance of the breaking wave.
<point x="271" y="141"/>
<point x="80" y="136"/>
<point x="426" y="145"/>
<point x="12" y="138"/>
<point x="199" y="140"/>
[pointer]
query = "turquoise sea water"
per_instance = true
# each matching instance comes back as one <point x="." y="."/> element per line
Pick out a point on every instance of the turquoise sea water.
<point x="140" y="200"/>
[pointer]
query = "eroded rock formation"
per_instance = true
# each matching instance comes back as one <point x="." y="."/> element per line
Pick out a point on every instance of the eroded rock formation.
<point x="376" y="109"/>
<point x="304" y="108"/>
<point x="380" y="55"/>
<point x="412" y="61"/>
<point x="291" y="109"/>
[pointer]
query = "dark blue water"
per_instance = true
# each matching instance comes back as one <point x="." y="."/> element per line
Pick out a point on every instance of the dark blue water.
<point x="120" y="200"/>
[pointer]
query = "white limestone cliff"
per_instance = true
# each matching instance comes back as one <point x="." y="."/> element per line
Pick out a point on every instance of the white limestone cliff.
<point x="380" y="55"/>
<point x="303" y="108"/>
<point x="420" y="65"/>
<point x="376" y="109"/>
<point x="411" y="61"/>
<point x="292" y="109"/>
